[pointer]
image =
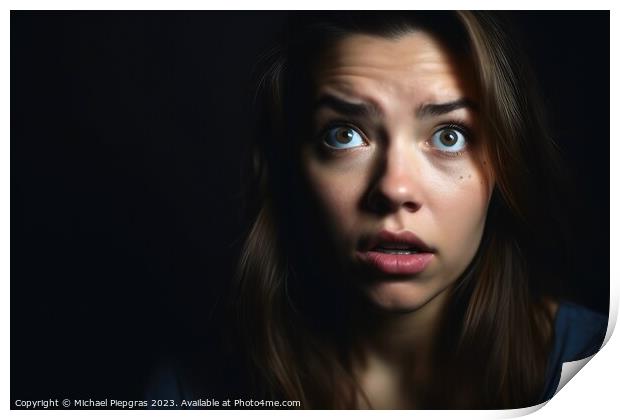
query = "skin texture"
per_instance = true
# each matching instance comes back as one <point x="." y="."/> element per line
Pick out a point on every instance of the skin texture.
<point x="398" y="180"/>
<point x="394" y="177"/>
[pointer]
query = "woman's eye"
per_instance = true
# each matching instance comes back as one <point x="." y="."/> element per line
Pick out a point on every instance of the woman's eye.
<point x="343" y="138"/>
<point x="449" y="139"/>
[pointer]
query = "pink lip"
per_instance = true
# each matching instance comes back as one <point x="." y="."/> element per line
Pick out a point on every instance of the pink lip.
<point x="396" y="264"/>
<point x="404" y="264"/>
<point x="406" y="237"/>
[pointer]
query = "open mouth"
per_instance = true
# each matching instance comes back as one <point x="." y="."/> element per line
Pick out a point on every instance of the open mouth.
<point x="396" y="249"/>
<point x="403" y="243"/>
<point x="394" y="253"/>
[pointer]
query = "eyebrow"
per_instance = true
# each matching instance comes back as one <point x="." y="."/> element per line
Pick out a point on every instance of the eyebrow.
<point x="433" y="110"/>
<point x="369" y="109"/>
<point x="342" y="106"/>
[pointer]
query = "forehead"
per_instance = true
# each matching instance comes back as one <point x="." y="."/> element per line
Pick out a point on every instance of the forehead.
<point x="415" y="67"/>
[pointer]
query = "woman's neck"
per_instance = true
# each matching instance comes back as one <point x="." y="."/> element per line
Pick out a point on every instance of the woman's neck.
<point x="395" y="352"/>
<point x="392" y="336"/>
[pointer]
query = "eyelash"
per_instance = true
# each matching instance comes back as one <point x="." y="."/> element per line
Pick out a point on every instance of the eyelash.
<point x="457" y="125"/>
<point x="454" y="124"/>
<point x="340" y="123"/>
<point x="335" y="124"/>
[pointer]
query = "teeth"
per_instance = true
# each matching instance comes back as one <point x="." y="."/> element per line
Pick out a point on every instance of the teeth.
<point x="396" y="251"/>
<point x="395" y="246"/>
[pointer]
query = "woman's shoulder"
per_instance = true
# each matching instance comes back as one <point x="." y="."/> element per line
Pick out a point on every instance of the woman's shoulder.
<point x="190" y="381"/>
<point x="578" y="333"/>
<point x="168" y="382"/>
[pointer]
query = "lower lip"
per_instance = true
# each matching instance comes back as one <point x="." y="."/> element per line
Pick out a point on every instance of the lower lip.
<point x="396" y="263"/>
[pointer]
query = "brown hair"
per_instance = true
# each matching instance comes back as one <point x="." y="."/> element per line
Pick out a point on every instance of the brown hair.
<point x="498" y="331"/>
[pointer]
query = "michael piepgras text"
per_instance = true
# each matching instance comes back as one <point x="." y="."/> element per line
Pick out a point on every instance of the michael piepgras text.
<point x="108" y="403"/>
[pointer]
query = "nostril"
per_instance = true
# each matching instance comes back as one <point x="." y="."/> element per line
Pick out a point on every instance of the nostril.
<point x="379" y="203"/>
<point x="411" y="206"/>
<point x="382" y="204"/>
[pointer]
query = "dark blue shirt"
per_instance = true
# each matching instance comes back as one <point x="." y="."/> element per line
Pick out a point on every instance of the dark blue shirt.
<point x="578" y="333"/>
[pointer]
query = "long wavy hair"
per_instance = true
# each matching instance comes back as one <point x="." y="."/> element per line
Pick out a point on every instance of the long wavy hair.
<point x="292" y="319"/>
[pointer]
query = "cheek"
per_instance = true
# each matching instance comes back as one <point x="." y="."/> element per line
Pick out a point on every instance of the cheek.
<point x="337" y="193"/>
<point x="459" y="207"/>
<point x="464" y="203"/>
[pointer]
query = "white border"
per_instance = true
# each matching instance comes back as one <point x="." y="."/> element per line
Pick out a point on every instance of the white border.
<point x="590" y="394"/>
<point x="307" y="5"/>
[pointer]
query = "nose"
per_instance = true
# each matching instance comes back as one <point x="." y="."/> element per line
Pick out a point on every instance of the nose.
<point x="396" y="182"/>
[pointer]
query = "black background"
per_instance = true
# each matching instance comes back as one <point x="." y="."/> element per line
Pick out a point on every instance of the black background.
<point x="126" y="137"/>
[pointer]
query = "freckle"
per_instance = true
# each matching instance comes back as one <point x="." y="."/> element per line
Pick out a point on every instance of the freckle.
<point x="460" y="177"/>
<point x="469" y="176"/>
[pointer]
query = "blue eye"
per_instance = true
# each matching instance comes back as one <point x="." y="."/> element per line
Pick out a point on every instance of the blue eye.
<point x="449" y="139"/>
<point x="343" y="137"/>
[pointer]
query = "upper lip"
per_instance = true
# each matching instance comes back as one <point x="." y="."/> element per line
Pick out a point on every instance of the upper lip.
<point x="405" y="237"/>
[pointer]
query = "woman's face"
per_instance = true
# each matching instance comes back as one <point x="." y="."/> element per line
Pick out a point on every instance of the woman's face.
<point x="395" y="155"/>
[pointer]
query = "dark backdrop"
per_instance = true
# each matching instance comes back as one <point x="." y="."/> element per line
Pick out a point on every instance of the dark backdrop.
<point x="126" y="137"/>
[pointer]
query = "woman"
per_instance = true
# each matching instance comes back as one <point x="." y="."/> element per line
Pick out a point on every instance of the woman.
<point x="406" y="188"/>
<point x="406" y="240"/>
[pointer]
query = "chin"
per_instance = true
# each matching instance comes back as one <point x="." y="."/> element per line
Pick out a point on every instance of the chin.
<point x="399" y="296"/>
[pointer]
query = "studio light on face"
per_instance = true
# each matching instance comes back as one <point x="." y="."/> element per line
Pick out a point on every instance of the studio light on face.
<point x="394" y="168"/>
